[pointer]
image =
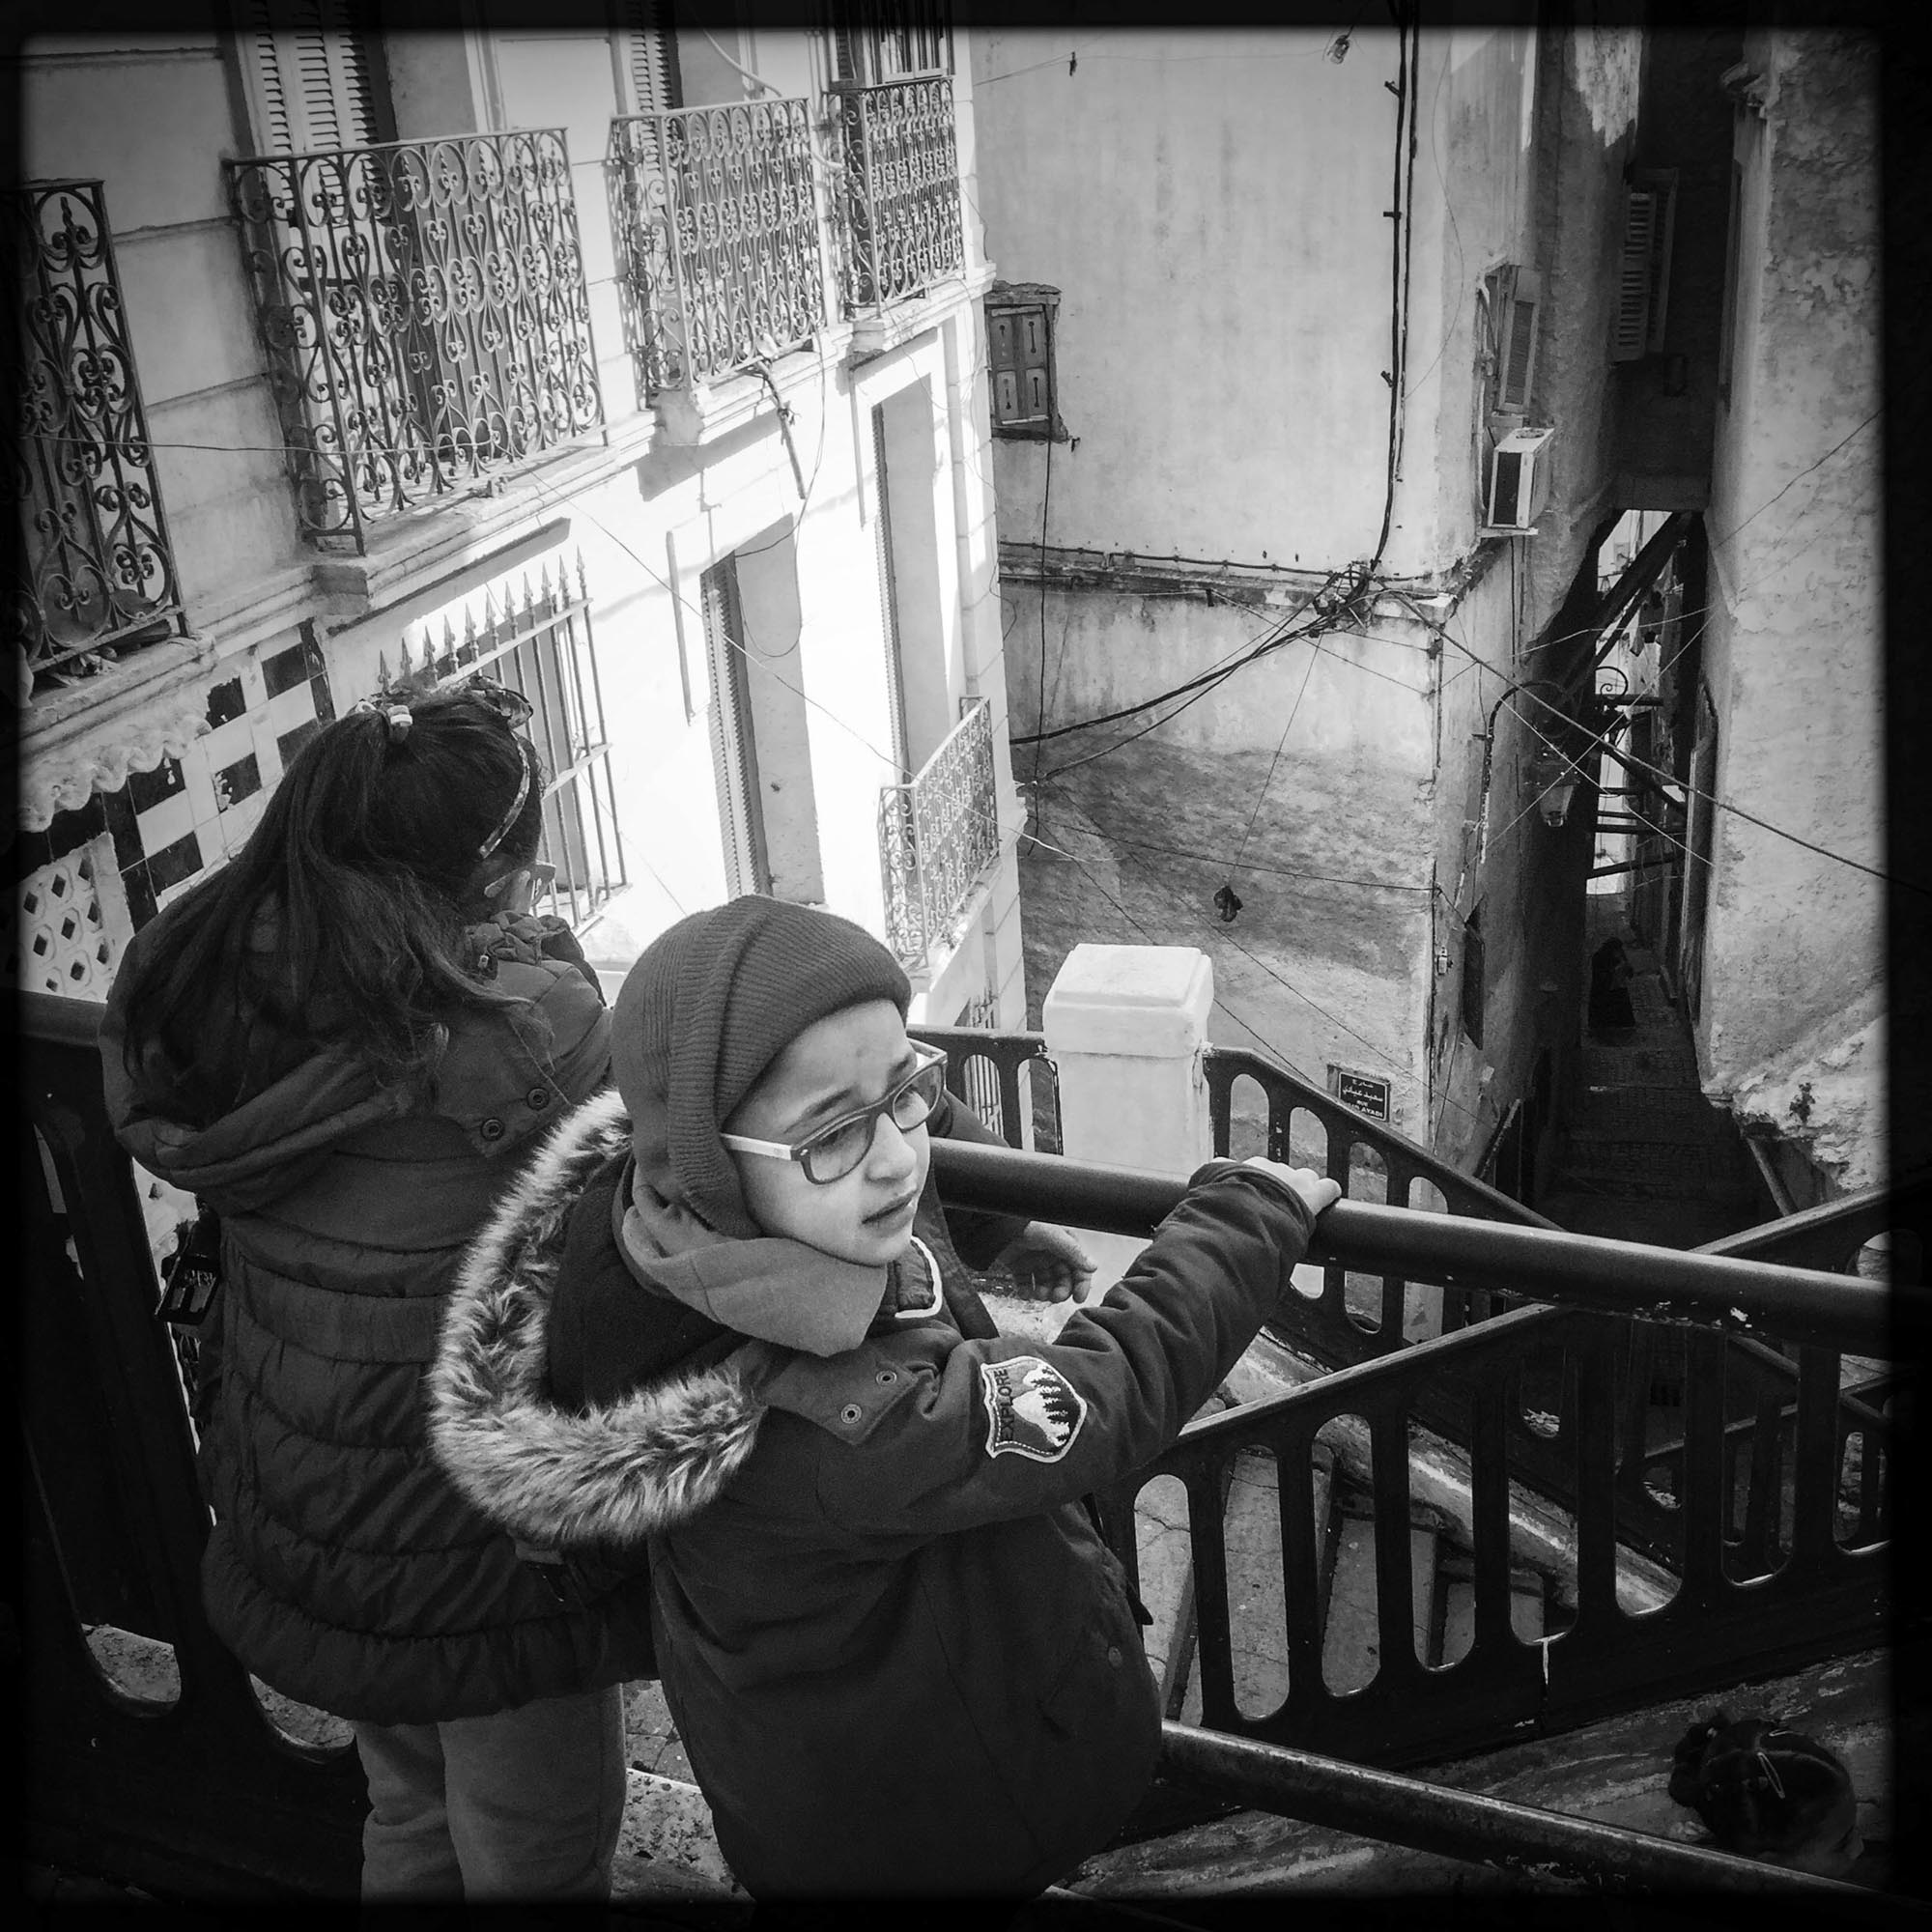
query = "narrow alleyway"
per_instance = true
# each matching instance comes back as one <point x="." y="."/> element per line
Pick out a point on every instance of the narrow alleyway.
<point x="1645" y="1156"/>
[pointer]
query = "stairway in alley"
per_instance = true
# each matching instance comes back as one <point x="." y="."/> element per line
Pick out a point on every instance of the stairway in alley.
<point x="1646" y="1156"/>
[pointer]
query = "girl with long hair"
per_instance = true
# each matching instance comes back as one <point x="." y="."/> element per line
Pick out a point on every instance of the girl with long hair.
<point x="347" y="1043"/>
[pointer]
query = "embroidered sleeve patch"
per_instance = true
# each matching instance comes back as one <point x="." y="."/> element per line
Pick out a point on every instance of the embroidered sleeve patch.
<point x="1031" y="1409"/>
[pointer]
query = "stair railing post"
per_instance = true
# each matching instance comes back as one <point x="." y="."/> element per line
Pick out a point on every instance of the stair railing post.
<point x="1125" y="1027"/>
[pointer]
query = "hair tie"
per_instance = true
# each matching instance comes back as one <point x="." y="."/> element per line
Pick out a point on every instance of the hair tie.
<point x="397" y="716"/>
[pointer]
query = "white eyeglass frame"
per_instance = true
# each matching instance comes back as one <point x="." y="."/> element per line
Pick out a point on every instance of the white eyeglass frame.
<point x="929" y="1056"/>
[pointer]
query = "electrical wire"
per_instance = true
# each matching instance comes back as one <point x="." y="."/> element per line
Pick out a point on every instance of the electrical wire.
<point x="1601" y="743"/>
<point x="1280" y="745"/>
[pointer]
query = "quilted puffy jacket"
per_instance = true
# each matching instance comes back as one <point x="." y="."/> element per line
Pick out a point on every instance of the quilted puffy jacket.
<point x="343" y="1568"/>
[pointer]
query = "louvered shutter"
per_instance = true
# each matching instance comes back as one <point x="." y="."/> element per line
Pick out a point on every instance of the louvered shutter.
<point x="889" y="591"/>
<point x="650" y="56"/>
<point x="733" y="751"/>
<point x="311" y="74"/>
<point x="1517" y="370"/>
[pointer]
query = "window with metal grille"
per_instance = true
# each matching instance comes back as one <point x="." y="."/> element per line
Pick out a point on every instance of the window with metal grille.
<point x="876" y="40"/>
<point x="315" y="75"/>
<point x="538" y="641"/>
<point x="734" y="751"/>
<point x="1020" y="354"/>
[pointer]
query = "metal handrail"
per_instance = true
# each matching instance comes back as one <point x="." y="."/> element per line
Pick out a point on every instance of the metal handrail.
<point x="1469" y="1825"/>
<point x="1583" y="1271"/>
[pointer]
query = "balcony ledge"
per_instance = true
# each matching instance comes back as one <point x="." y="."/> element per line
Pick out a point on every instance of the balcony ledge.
<point x="88" y="738"/>
<point x="698" y="415"/>
<point x="878" y="333"/>
<point x="493" y="517"/>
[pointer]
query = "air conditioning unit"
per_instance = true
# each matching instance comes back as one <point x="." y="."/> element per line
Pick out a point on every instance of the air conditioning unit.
<point x="1518" y="483"/>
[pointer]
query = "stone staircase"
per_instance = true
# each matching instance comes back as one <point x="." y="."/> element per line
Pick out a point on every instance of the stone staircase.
<point x="1646" y="1156"/>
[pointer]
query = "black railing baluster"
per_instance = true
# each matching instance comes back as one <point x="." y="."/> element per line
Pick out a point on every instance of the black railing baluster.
<point x="1815" y="1463"/>
<point x="1207" y="1505"/>
<point x="1591" y="1390"/>
<point x="1488" y="1479"/>
<point x="1300" y="1568"/>
<point x="1700" y="1472"/>
<point x="1395" y="1554"/>
<point x="1758" y="1553"/>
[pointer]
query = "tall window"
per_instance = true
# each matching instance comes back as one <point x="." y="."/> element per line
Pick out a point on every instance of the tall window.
<point x="734" y="751"/>
<point x="875" y="41"/>
<point x="315" y="74"/>
<point x="889" y="596"/>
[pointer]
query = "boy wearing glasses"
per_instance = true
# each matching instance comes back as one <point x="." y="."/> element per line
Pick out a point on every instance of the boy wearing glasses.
<point x="725" y="1322"/>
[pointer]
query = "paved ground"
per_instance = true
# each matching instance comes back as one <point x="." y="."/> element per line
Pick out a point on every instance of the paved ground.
<point x="1648" y="1158"/>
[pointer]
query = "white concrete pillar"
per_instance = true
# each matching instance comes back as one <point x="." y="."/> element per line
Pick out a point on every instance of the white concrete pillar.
<point x="1125" y="1026"/>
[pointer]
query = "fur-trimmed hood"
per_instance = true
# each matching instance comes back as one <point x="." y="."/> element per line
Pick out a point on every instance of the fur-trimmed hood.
<point x="616" y="1472"/>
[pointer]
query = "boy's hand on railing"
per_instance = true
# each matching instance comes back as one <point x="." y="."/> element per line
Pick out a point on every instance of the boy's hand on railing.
<point x="1046" y="1263"/>
<point x="1315" y="1190"/>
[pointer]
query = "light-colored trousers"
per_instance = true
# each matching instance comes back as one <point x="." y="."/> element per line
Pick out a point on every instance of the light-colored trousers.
<point x="523" y="1805"/>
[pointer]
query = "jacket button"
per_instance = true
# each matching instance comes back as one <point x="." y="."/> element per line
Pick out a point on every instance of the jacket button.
<point x="851" y="1413"/>
<point x="492" y="1130"/>
<point x="887" y="1377"/>
<point x="538" y="1098"/>
<point x="1113" y="1655"/>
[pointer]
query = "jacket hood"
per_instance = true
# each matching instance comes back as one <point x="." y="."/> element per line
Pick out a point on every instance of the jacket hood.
<point x="614" y="1472"/>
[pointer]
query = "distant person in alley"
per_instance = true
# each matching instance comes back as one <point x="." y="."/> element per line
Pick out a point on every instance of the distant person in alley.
<point x="345" y="1042"/>
<point x="720" y="1356"/>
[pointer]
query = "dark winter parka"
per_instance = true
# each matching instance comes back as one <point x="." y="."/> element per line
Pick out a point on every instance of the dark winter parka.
<point x="343" y="1568"/>
<point x="898" y="1656"/>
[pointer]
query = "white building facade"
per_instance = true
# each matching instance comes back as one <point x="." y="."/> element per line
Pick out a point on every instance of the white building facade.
<point x="641" y="370"/>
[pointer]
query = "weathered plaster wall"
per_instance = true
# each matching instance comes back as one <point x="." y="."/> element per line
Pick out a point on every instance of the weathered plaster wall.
<point x="1793" y="973"/>
<point x="1325" y="965"/>
<point x="1209" y="202"/>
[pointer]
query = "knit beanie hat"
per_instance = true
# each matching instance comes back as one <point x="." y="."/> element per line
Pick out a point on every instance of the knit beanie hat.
<point x="709" y="1005"/>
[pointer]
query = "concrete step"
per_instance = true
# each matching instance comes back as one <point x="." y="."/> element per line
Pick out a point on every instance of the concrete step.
<point x="1351" y="1624"/>
<point x="1614" y="1773"/>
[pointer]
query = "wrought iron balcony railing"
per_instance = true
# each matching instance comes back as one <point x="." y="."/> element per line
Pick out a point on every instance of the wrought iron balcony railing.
<point x="899" y="189"/>
<point x="95" y="570"/>
<point x="721" y="235"/>
<point x="424" y="311"/>
<point x="938" y="834"/>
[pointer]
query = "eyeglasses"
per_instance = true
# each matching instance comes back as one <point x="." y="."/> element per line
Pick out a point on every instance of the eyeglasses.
<point x="514" y="709"/>
<point x="834" y="1152"/>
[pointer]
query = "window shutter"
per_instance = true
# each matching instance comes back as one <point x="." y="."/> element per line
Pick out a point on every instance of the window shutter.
<point x="1516" y="371"/>
<point x="650" y="53"/>
<point x="733" y="754"/>
<point x="1035" y="390"/>
<point x="1643" y="276"/>
<point x="889" y="592"/>
<point x="313" y="79"/>
<point x="1019" y="342"/>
